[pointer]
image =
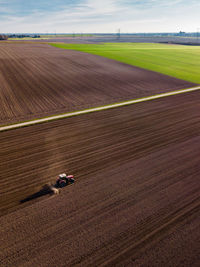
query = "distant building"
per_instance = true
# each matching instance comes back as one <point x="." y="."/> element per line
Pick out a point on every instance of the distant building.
<point x="36" y="36"/>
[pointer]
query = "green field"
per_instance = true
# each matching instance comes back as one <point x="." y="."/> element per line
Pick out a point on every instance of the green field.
<point x="179" y="61"/>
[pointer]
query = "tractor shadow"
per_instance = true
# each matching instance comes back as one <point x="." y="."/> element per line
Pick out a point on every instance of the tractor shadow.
<point x="47" y="189"/>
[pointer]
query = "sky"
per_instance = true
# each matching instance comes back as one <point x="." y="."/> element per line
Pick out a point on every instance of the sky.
<point x="99" y="16"/>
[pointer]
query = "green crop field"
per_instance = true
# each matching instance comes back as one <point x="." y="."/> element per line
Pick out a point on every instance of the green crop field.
<point x="179" y="61"/>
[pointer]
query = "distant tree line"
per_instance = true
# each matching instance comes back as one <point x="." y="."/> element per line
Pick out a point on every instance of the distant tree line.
<point x="3" y="37"/>
<point x="23" y="35"/>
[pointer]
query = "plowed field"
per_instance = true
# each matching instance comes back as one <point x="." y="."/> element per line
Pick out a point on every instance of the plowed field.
<point x="136" y="199"/>
<point x="38" y="80"/>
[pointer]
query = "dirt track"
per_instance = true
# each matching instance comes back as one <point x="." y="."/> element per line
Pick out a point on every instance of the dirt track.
<point x="38" y="80"/>
<point x="136" y="200"/>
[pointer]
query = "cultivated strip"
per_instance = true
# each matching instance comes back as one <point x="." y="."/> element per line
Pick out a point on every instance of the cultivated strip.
<point x="137" y="188"/>
<point x="39" y="81"/>
<point x="90" y="110"/>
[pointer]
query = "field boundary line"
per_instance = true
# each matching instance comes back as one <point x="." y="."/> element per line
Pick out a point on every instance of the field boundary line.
<point x="95" y="109"/>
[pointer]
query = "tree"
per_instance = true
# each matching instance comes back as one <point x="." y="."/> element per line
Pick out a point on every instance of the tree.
<point x="3" y="37"/>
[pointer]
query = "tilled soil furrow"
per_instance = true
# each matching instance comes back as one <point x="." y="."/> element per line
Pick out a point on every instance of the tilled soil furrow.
<point x="39" y="80"/>
<point x="136" y="197"/>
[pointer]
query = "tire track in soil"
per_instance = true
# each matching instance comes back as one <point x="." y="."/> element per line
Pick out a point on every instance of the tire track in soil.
<point x="39" y="80"/>
<point x="136" y="200"/>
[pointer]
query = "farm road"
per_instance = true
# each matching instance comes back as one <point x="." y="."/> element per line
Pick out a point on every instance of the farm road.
<point x="38" y="80"/>
<point x="76" y="113"/>
<point x="137" y="190"/>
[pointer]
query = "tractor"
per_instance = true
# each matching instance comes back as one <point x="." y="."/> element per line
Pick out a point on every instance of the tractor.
<point x="64" y="180"/>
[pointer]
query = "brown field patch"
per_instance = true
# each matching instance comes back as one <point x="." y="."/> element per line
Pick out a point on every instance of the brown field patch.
<point x="38" y="80"/>
<point x="136" y="199"/>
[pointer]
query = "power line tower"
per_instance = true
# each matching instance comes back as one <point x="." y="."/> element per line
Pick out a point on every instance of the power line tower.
<point x="198" y="35"/>
<point x="118" y="34"/>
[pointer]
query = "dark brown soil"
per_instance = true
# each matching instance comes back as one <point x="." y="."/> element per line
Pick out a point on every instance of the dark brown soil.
<point x="38" y="80"/>
<point x="136" y="200"/>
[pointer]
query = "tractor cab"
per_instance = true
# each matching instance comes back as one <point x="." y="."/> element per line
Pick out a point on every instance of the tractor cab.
<point x="64" y="180"/>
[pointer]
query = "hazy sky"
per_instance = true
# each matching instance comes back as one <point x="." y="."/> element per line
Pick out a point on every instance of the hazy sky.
<point x="65" y="16"/>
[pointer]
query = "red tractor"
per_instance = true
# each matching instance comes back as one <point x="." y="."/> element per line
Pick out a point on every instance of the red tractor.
<point x="64" y="180"/>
